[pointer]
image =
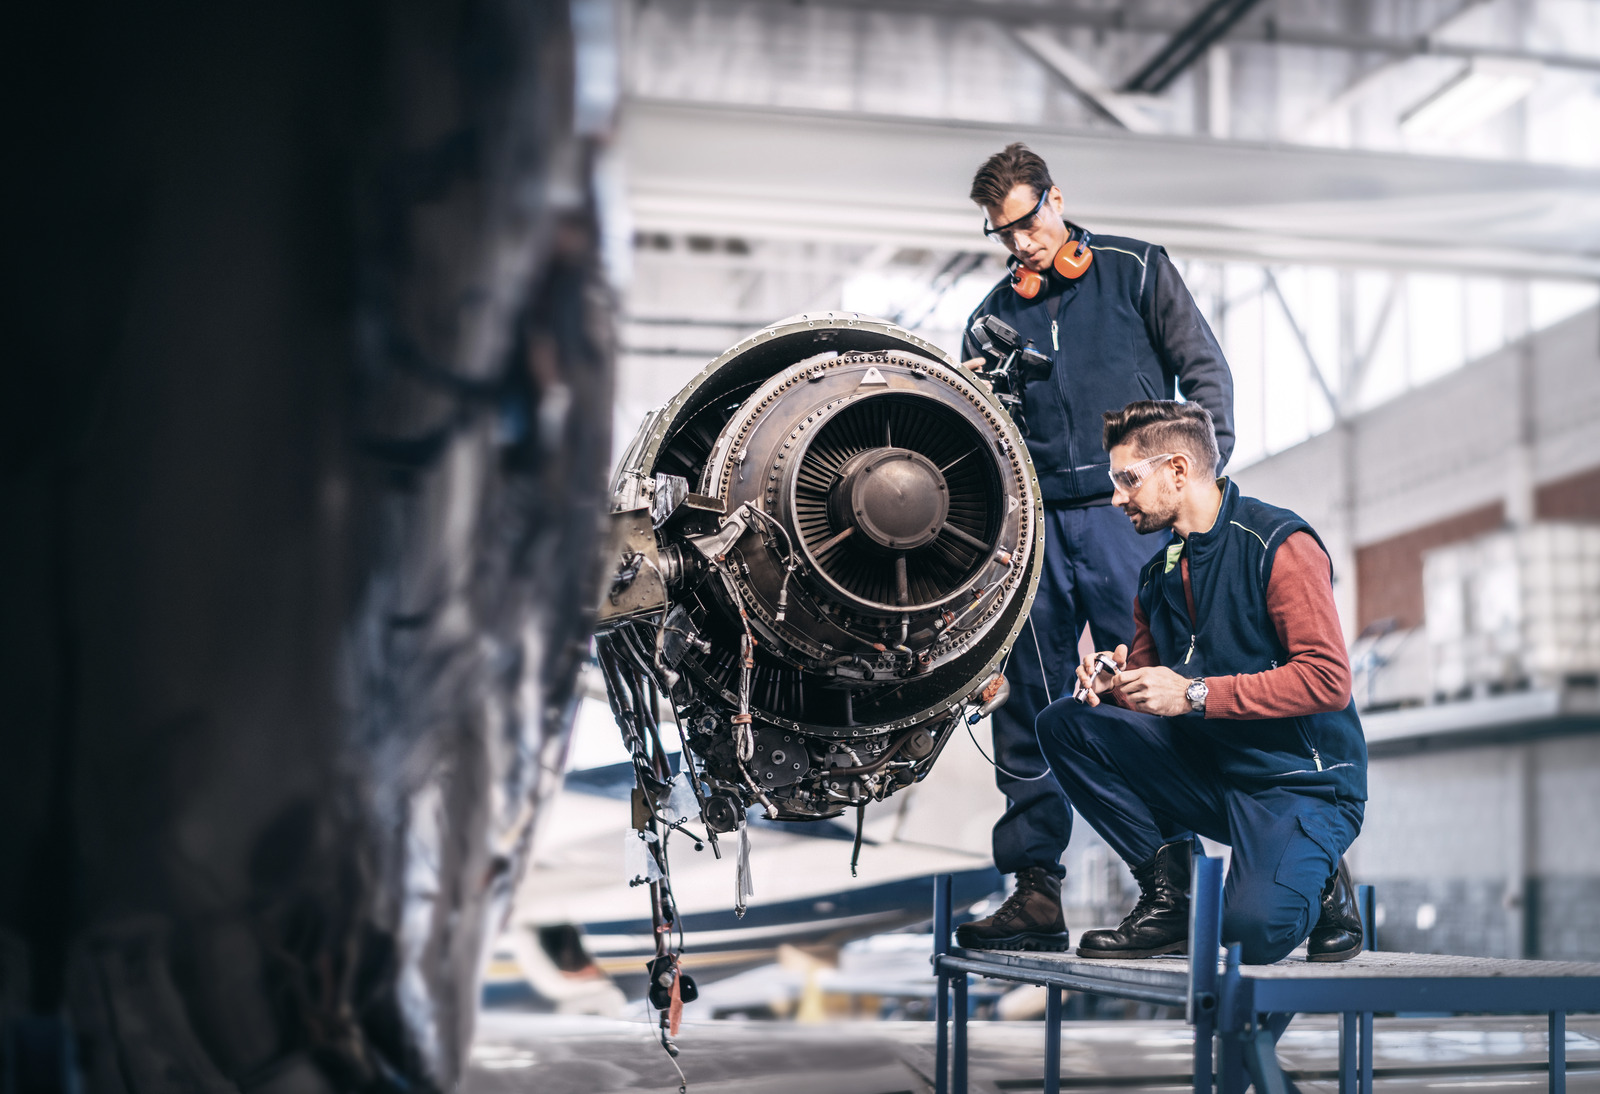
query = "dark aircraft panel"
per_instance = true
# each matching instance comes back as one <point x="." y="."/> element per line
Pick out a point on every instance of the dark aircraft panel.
<point x="305" y="429"/>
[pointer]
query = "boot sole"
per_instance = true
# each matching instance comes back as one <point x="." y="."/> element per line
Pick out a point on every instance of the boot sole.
<point x="1336" y="955"/>
<point x="1134" y="955"/>
<point x="1038" y="943"/>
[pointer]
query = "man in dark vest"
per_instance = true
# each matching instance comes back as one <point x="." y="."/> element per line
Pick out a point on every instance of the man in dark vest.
<point x="1117" y="320"/>
<point x="1230" y="715"/>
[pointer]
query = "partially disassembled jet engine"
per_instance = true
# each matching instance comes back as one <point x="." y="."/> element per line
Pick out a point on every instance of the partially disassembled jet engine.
<point x="822" y="551"/>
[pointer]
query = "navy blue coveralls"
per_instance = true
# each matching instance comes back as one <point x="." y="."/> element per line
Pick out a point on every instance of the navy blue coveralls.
<point x="1126" y="330"/>
<point x="1287" y="794"/>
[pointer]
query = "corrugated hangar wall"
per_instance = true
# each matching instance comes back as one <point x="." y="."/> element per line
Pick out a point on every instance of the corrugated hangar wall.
<point x="1489" y="849"/>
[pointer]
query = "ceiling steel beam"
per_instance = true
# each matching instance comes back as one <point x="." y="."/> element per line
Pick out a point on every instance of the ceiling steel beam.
<point x="1266" y="29"/>
<point x="1186" y="44"/>
<point x="1312" y="367"/>
<point x="1078" y="77"/>
<point x="902" y="182"/>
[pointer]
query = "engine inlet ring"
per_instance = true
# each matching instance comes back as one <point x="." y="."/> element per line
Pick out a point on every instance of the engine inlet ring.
<point x="928" y="568"/>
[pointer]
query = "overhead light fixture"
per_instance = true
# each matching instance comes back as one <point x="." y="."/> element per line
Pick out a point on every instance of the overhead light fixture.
<point x="1477" y="93"/>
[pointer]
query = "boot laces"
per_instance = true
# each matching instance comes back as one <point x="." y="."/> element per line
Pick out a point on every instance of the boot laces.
<point x="1150" y="896"/>
<point x="1012" y="908"/>
<point x="1141" y="907"/>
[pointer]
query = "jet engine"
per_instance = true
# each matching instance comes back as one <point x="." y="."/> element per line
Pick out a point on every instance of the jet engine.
<point x="822" y="551"/>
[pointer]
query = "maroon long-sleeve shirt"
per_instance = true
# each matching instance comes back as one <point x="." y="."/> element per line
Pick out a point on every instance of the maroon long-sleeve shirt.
<point x="1316" y="678"/>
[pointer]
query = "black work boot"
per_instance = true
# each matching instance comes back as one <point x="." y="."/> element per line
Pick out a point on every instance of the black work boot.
<point x="1337" y="935"/>
<point x="1159" y="922"/>
<point x="1030" y="919"/>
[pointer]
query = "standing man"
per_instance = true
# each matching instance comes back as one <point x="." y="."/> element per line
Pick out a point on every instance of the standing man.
<point x="1233" y="715"/>
<point x="1118" y="321"/>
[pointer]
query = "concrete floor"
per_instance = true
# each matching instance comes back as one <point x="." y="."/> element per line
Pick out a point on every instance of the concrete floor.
<point x="541" y="1054"/>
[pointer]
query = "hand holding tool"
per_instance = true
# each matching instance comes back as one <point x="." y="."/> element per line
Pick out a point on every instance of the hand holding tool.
<point x="1102" y="664"/>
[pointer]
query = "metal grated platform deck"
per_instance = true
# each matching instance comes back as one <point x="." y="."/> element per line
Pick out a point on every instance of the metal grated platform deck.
<point x="1174" y="968"/>
<point x="1247" y="1007"/>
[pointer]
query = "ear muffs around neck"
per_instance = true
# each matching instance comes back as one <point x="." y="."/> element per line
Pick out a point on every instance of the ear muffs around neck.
<point x="1071" y="262"/>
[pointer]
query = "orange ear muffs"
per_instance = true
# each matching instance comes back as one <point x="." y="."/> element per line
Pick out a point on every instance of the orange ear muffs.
<point x="1071" y="262"/>
<point x="1073" y="259"/>
<point x="1027" y="283"/>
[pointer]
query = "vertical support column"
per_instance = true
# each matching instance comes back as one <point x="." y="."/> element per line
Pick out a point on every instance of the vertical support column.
<point x="1205" y="935"/>
<point x="941" y="998"/>
<point x="1367" y="899"/>
<point x="941" y="914"/>
<point x="1519" y="489"/>
<point x="958" y="1070"/>
<point x="1231" y="1021"/>
<point x="1052" y="1040"/>
<point x="1205" y="1032"/>
<point x="1347" y="1052"/>
<point x="1366" y="1052"/>
<point x="1219" y="91"/>
<point x="1519" y="826"/>
<point x="1558" y="1052"/>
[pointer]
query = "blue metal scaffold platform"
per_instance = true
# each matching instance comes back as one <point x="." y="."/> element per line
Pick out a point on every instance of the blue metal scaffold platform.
<point x="1244" y="1009"/>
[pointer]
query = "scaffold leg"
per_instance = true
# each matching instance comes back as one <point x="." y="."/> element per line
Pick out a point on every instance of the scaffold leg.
<point x="1348" y="1056"/>
<point x="1558" y="1052"/>
<point x="1366" y="1052"/>
<point x="1052" y="1041"/>
<point x="959" y="1067"/>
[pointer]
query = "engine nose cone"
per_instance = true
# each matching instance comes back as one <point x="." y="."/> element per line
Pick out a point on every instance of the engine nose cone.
<point x="895" y="496"/>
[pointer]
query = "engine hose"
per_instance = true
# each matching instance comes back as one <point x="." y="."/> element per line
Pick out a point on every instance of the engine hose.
<point x="869" y="768"/>
<point x="663" y="765"/>
<point x="624" y="686"/>
<point x="617" y="693"/>
<point x="761" y="795"/>
<point x="861" y="822"/>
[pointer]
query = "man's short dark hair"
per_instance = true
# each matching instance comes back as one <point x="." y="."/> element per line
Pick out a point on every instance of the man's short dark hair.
<point x="1004" y="171"/>
<point x="1156" y="426"/>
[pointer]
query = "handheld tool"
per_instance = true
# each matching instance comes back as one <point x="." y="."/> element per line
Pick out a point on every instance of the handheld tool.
<point x="1102" y="664"/>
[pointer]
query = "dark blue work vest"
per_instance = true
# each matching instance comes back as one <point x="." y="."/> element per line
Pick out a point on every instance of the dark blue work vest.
<point x="1104" y="360"/>
<point x="1229" y="568"/>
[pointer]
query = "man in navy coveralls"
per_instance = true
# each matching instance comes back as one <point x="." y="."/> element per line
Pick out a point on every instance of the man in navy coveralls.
<point x="1115" y="316"/>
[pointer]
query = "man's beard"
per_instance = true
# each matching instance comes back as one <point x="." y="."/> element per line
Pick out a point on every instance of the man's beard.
<point x="1155" y="519"/>
<point x="1145" y="523"/>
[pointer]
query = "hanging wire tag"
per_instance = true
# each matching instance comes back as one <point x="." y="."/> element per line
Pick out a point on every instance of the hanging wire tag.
<point x="743" y="888"/>
<point x="638" y="857"/>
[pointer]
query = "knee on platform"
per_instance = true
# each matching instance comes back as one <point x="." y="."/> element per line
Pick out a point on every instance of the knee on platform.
<point x="1264" y="934"/>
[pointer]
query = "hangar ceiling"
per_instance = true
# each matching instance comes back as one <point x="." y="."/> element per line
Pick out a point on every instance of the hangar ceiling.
<point x="1362" y="194"/>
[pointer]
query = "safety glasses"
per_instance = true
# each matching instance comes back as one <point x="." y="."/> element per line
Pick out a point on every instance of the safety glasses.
<point x="1002" y="234"/>
<point x="1135" y="475"/>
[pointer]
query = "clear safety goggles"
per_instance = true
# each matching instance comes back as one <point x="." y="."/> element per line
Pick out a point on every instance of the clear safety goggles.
<point x="1135" y="475"/>
<point x="1004" y="232"/>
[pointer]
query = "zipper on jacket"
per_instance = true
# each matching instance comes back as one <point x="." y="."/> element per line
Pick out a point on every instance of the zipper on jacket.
<point x="1317" y="756"/>
<point x="1055" y="336"/>
<point x="1191" y="650"/>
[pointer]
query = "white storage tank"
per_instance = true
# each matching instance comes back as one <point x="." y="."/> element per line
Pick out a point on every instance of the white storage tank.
<point x="1514" y="608"/>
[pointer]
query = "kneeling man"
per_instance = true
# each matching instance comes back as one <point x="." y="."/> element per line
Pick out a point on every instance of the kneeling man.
<point x="1230" y="716"/>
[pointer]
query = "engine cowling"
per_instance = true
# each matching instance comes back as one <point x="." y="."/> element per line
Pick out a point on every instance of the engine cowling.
<point x="824" y="549"/>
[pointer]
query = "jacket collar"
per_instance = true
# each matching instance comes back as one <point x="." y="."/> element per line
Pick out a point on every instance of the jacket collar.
<point x="1199" y="543"/>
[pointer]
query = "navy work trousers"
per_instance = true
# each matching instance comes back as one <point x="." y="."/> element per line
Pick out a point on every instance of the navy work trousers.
<point x="1090" y="575"/>
<point x="1141" y="780"/>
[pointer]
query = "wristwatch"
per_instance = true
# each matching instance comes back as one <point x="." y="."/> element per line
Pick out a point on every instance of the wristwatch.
<point x="1196" y="694"/>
